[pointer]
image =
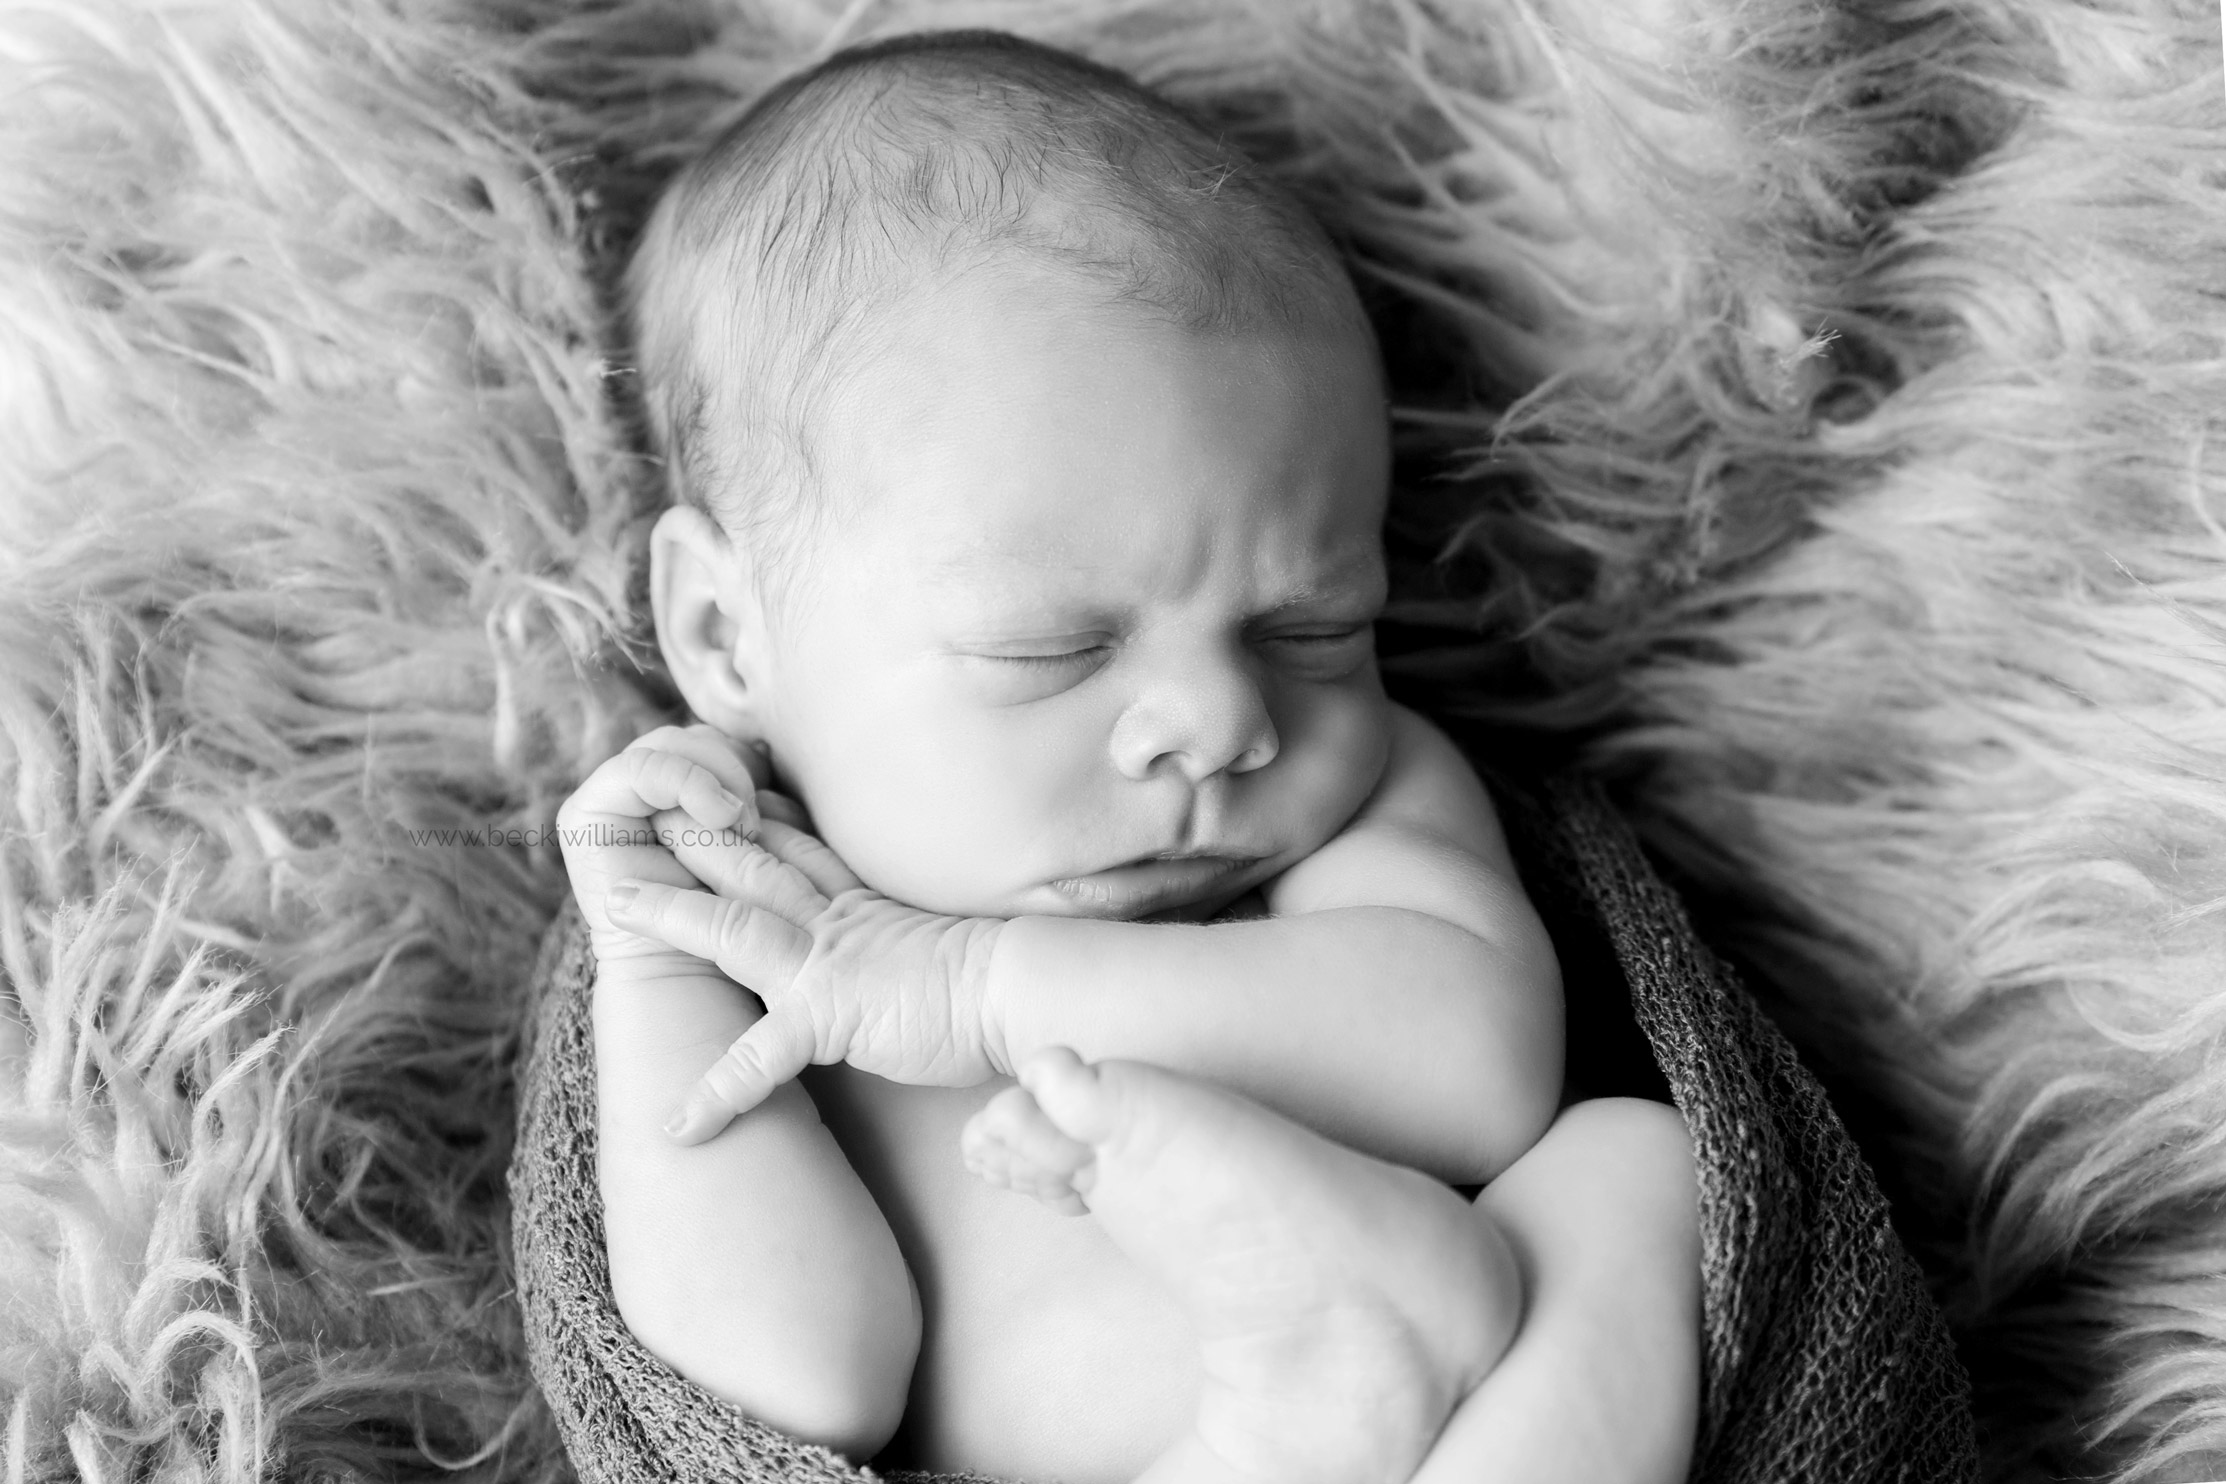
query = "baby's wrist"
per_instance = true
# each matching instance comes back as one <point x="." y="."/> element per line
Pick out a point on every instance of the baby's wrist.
<point x="984" y="988"/>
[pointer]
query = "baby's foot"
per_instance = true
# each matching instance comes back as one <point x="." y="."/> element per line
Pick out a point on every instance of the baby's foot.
<point x="1342" y="1305"/>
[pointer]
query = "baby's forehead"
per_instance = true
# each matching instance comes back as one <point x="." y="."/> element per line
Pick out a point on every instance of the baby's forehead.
<point x="1098" y="549"/>
<point x="768" y="271"/>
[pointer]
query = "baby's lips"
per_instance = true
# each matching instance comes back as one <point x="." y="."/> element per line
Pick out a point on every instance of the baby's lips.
<point x="1149" y="885"/>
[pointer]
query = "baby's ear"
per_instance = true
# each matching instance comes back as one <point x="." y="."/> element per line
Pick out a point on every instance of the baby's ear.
<point x="699" y="594"/>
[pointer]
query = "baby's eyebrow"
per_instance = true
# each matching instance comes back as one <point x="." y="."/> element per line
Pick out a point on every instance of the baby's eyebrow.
<point x="1008" y="608"/>
<point x="1306" y="597"/>
<point x="1341" y="581"/>
<point x="1028" y="593"/>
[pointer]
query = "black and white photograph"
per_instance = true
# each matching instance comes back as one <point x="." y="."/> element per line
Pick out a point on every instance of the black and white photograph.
<point x="1112" y="742"/>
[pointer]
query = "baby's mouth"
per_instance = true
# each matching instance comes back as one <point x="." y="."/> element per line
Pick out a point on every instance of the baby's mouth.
<point x="1151" y="883"/>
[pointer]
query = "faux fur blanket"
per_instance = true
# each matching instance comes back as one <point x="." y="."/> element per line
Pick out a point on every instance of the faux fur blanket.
<point x="1806" y="409"/>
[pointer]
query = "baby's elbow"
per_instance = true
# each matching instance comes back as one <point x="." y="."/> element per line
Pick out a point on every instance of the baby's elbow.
<point x="836" y="1374"/>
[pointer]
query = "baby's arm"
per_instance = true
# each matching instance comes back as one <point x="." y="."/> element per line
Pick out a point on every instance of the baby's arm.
<point x="1408" y="1004"/>
<point x="1401" y="956"/>
<point x="756" y="1264"/>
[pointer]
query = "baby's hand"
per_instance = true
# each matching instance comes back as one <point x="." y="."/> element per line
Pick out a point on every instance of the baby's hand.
<point x="669" y="783"/>
<point x="846" y="974"/>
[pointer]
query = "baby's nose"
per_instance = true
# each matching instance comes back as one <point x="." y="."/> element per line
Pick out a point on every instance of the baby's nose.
<point x="1199" y="724"/>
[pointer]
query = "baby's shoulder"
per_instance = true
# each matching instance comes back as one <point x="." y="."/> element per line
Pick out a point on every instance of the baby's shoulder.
<point x="1428" y="789"/>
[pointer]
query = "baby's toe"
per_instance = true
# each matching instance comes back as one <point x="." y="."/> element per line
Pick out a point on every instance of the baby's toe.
<point x="1010" y="1143"/>
<point x="1073" y="1095"/>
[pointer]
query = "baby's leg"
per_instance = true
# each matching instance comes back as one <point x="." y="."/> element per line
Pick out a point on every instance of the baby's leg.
<point x="1342" y="1305"/>
<point x="1602" y="1384"/>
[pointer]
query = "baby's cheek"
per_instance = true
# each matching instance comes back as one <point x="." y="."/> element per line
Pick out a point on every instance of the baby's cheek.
<point x="951" y="839"/>
<point x="1343" y="743"/>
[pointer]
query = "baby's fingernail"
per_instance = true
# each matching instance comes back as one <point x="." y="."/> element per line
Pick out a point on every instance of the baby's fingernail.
<point x="621" y="898"/>
<point x="732" y="800"/>
<point x="675" y="1124"/>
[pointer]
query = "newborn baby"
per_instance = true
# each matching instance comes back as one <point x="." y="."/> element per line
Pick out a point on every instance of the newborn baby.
<point x="1032" y="458"/>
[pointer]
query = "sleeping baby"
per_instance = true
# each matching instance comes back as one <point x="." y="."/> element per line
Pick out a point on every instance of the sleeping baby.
<point x="1031" y="455"/>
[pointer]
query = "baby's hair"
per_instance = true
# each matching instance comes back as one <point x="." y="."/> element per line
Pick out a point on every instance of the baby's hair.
<point x="905" y="162"/>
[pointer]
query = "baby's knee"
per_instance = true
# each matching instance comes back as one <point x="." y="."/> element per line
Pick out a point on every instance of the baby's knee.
<point x="833" y="1384"/>
<point x="1638" y="1125"/>
<point x="1614" y="1180"/>
<point x="1605" y="1210"/>
<point x="1632" y="1147"/>
<point x="833" y="1372"/>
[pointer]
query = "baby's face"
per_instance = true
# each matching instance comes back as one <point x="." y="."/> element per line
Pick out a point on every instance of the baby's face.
<point x="1089" y="630"/>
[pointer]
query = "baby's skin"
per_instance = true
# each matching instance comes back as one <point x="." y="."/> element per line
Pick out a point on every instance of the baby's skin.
<point x="1122" y="886"/>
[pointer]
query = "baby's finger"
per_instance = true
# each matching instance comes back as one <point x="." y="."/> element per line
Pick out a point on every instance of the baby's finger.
<point x="773" y="804"/>
<point x="741" y="766"/>
<point x="765" y="1056"/>
<point x="685" y="783"/>
<point x="757" y="949"/>
<point x="689" y="838"/>
<point x="747" y="873"/>
<point x="639" y="782"/>
<point x="809" y="856"/>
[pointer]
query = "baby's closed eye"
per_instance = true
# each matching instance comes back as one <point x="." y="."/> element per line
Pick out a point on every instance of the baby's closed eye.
<point x="1322" y="653"/>
<point x="1033" y="670"/>
<point x="1020" y="672"/>
<point x="1075" y="658"/>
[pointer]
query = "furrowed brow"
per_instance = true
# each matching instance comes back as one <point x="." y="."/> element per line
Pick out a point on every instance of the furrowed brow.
<point x="1341" y="581"/>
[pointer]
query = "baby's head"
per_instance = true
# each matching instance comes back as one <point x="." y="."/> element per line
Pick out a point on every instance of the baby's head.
<point x="1030" y="457"/>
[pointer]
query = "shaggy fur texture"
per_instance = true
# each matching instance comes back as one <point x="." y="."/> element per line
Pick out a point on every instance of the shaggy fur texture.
<point x="1925" y="679"/>
<point x="1811" y="400"/>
